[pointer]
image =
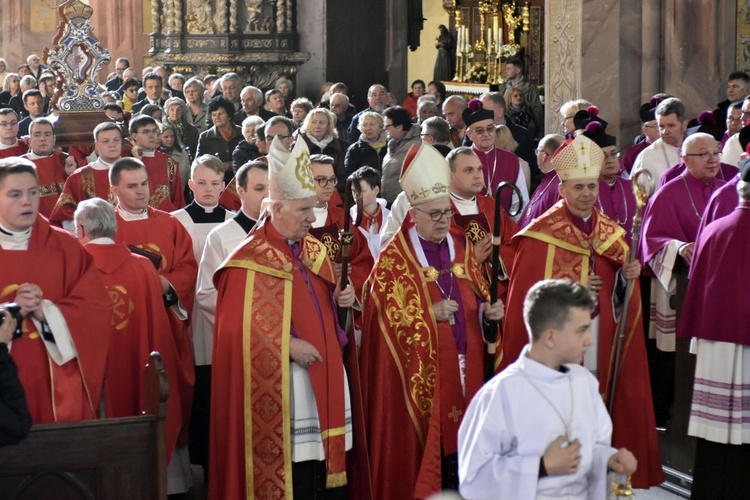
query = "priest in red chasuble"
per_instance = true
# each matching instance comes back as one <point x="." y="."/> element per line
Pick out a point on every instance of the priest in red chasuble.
<point x="161" y="238"/>
<point x="422" y="350"/>
<point x="574" y="240"/>
<point x="139" y="322"/>
<point x="52" y="167"/>
<point x="92" y="180"/>
<point x="280" y="405"/>
<point x="62" y="351"/>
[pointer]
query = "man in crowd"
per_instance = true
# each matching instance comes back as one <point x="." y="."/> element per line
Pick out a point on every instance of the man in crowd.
<point x="114" y="83"/>
<point x="402" y="134"/>
<point x="152" y="86"/>
<point x="437" y="132"/>
<point x="650" y="130"/>
<point x="277" y="297"/>
<point x="52" y="167"/>
<point x="377" y="100"/>
<point x="574" y="241"/>
<point x="495" y="102"/>
<point x="546" y="194"/>
<point x="732" y="151"/>
<point x="738" y="87"/>
<point x="62" y="351"/>
<point x="665" y="151"/>
<point x="434" y="273"/>
<point x="9" y="143"/>
<point x="91" y="180"/>
<point x="33" y="101"/>
<point x="453" y="109"/>
<point x="251" y="100"/>
<point x="275" y="102"/>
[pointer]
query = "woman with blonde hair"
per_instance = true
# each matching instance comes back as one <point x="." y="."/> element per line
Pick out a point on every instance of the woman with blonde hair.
<point x="371" y="147"/>
<point x="11" y="87"/>
<point x="504" y="140"/>
<point x="519" y="111"/>
<point x="319" y="132"/>
<point x="568" y="111"/>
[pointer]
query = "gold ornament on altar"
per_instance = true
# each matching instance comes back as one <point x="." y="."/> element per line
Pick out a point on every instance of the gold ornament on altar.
<point x="200" y="17"/>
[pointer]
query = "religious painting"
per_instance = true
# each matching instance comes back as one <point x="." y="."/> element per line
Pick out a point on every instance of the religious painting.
<point x="43" y="15"/>
<point x="743" y="35"/>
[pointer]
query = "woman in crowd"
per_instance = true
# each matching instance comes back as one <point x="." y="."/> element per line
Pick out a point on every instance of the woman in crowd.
<point x="195" y="111"/>
<point x="221" y="139"/>
<point x="371" y="147"/>
<point x="568" y="111"/>
<point x="519" y="111"/>
<point x="171" y="146"/>
<point x="410" y="102"/>
<point x="301" y="107"/>
<point x="11" y="87"/>
<point x="187" y="135"/>
<point x="437" y="89"/>
<point x="319" y="132"/>
<point x="504" y="140"/>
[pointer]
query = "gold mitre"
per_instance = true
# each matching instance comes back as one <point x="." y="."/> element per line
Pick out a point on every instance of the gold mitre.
<point x="425" y="175"/>
<point x="579" y="158"/>
<point x="289" y="174"/>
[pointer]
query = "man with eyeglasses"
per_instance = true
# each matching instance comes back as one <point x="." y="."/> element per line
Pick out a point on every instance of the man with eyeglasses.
<point x="377" y="100"/>
<point x="664" y="152"/>
<point x="437" y="132"/>
<point x="114" y="83"/>
<point x="575" y="240"/>
<point x="499" y="165"/>
<point x="734" y="122"/>
<point x="422" y="350"/>
<point x="733" y="151"/>
<point x="670" y="228"/>
<point x="10" y="144"/>
<point x="545" y="195"/>
<point x="738" y="88"/>
<point x="163" y="172"/>
<point x="650" y="132"/>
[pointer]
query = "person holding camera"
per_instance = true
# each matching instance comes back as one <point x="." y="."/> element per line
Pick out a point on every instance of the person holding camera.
<point x="15" y="421"/>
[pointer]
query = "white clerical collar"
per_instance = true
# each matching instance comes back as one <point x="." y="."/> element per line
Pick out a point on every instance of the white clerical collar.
<point x="102" y="240"/>
<point x="321" y="215"/>
<point x="538" y="370"/>
<point x="100" y="164"/>
<point x="147" y="153"/>
<point x="14" y="240"/>
<point x="464" y="206"/>
<point x="208" y="210"/>
<point x="586" y="219"/>
<point x="33" y="156"/>
<point x="131" y="216"/>
<point x="8" y="146"/>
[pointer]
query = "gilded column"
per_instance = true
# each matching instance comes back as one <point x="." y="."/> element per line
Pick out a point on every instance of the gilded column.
<point x="177" y="18"/>
<point x="222" y="18"/>
<point x="156" y="15"/>
<point x="288" y="17"/>
<point x="233" y="16"/>
<point x="280" y="16"/>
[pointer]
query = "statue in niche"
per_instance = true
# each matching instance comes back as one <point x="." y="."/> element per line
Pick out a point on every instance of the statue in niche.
<point x="256" y="21"/>
<point x="200" y="17"/>
<point x="444" y="63"/>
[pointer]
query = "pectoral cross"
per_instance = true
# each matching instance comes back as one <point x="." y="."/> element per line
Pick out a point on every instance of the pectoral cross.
<point x="455" y="414"/>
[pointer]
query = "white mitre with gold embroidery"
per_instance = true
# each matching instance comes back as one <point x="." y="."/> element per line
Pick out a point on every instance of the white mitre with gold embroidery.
<point x="425" y="175"/>
<point x="579" y="158"/>
<point x="289" y="174"/>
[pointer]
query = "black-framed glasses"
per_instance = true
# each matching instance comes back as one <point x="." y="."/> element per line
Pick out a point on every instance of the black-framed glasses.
<point x="326" y="181"/>
<point x="437" y="214"/>
<point x="705" y="156"/>
<point x="484" y="130"/>
<point x="269" y="138"/>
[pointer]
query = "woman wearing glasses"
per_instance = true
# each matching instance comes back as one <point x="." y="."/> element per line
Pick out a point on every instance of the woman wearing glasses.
<point x="319" y="133"/>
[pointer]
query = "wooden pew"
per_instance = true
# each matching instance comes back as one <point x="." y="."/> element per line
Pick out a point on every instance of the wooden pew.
<point x="116" y="458"/>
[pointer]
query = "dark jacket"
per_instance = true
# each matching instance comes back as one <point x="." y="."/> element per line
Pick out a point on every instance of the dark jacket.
<point x="137" y="107"/>
<point x="361" y="154"/>
<point x="211" y="142"/>
<point x="15" y="420"/>
<point x="240" y="115"/>
<point x="113" y="84"/>
<point x="354" y="132"/>
<point x="333" y="149"/>
<point x="244" y="153"/>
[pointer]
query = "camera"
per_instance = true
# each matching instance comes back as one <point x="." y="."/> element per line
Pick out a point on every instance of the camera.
<point x="15" y="311"/>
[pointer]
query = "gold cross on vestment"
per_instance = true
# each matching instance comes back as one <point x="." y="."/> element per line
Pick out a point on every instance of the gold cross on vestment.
<point x="455" y="414"/>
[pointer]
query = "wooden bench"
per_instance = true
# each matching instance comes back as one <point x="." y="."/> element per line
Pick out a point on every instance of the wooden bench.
<point x="116" y="458"/>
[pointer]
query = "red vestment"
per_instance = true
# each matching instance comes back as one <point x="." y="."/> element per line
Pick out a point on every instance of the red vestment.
<point x="20" y="149"/>
<point x="551" y="246"/>
<point x="50" y="172"/>
<point x="229" y="198"/>
<point x="262" y="296"/>
<point x="83" y="184"/>
<point x="413" y="399"/>
<point x="163" y="235"/>
<point x="164" y="183"/>
<point x="360" y="257"/>
<point x="57" y="263"/>
<point x="140" y="325"/>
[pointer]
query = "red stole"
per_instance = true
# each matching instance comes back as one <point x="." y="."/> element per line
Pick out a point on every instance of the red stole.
<point x="164" y="183"/>
<point x="50" y="172"/>
<point x="20" y="149"/>
<point x="410" y="367"/>
<point x="56" y="262"/>
<point x="83" y="184"/>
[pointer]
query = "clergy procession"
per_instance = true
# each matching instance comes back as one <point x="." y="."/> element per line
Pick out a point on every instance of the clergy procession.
<point x="384" y="304"/>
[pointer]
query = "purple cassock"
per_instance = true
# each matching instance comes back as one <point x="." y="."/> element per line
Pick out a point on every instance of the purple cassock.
<point x="722" y="203"/>
<point x="499" y="165"/>
<point x="717" y="295"/>
<point x="674" y="213"/>
<point x="618" y="203"/>
<point x="628" y="158"/>
<point x="726" y="172"/>
<point x="544" y="197"/>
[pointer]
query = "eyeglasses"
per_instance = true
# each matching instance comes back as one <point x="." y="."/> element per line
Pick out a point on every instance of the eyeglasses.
<point x="732" y="119"/>
<point x="539" y="150"/>
<point x="705" y="156"/>
<point x="148" y="131"/>
<point x="567" y="118"/>
<point x="388" y="125"/>
<point x="425" y="135"/>
<point x="437" y="215"/>
<point x="8" y="124"/>
<point x="269" y="138"/>
<point x="484" y="130"/>
<point x="325" y="181"/>
<point x="613" y="155"/>
<point x="646" y="125"/>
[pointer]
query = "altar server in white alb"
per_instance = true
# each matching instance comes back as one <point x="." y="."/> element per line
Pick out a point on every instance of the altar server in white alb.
<point x="539" y="429"/>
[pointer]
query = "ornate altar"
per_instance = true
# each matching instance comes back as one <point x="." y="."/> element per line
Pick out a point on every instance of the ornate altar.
<point x="255" y="38"/>
<point x="75" y="58"/>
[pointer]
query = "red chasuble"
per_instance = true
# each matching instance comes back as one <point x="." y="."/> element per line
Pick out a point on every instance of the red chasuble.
<point x="553" y="247"/>
<point x="164" y="183"/>
<point x="229" y="198"/>
<point x="140" y="325"/>
<point x="411" y="386"/>
<point x="57" y="263"/>
<point x="262" y="295"/>
<point x="163" y="235"/>
<point x="20" y="149"/>
<point x="50" y="172"/>
<point x="83" y="184"/>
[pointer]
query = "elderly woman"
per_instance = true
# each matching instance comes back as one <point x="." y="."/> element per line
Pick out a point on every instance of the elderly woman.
<point x="519" y="111"/>
<point x="186" y="134"/>
<point x="300" y="108"/>
<point x="568" y="111"/>
<point x="171" y="147"/>
<point x="286" y="87"/>
<point x="223" y="137"/>
<point x="27" y="82"/>
<point x="504" y="140"/>
<point x="319" y="132"/>
<point x="371" y="147"/>
<point x="437" y="89"/>
<point x="195" y="111"/>
<point x="11" y="88"/>
<point x="247" y="150"/>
